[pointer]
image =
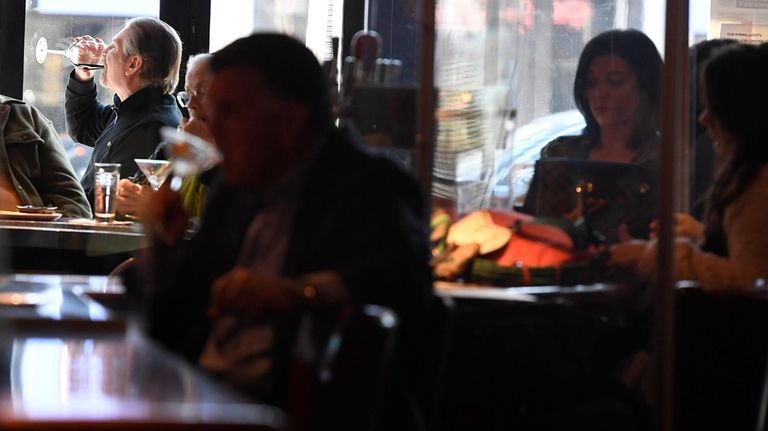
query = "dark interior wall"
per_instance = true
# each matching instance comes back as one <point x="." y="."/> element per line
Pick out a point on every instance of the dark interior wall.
<point x="191" y="18"/>
<point x="12" y="47"/>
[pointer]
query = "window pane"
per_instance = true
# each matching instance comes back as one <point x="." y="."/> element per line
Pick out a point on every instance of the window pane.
<point x="45" y="76"/>
<point x="310" y="22"/>
<point x="505" y="72"/>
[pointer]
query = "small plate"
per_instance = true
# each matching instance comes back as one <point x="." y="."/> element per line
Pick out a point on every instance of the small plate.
<point x="15" y="215"/>
<point x="31" y="209"/>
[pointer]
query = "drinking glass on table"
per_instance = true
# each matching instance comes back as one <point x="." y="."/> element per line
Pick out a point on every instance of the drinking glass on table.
<point x="106" y="177"/>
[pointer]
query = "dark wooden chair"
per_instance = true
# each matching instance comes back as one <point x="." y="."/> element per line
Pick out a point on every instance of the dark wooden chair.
<point x="431" y="360"/>
<point x="721" y="363"/>
<point x="345" y="386"/>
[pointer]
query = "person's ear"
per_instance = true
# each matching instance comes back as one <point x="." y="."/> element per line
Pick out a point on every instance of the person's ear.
<point x="134" y="63"/>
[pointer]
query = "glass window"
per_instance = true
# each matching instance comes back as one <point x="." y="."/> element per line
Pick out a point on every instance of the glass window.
<point x="505" y="72"/>
<point x="313" y="22"/>
<point x="379" y="84"/>
<point x="55" y="23"/>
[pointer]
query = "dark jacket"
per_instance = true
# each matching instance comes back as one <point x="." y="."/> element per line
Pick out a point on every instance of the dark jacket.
<point x="578" y="147"/>
<point x="118" y="133"/>
<point x="629" y="199"/>
<point x="357" y="215"/>
<point x="33" y="157"/>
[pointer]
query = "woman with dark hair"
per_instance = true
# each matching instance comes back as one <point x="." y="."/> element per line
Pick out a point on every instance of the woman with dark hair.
<point x="617" y="89"/>
<point x="734" y="247"/>
<point x="703" y="166"/>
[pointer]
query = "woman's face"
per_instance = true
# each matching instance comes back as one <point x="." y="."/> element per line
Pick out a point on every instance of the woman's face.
<point x="722" y="140"/>
<point x="612" y="92"/>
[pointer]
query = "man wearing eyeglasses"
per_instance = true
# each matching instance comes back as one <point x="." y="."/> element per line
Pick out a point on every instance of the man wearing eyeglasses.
<point x="141" y="66"/>
<point x="194" y="187"/>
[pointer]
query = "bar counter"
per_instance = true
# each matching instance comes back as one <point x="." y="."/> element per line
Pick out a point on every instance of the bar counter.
<point x="76" y="246"/>
<point x="83" y="367"/>
<point x="115" y="383"/>
<point x="92" y="238"/>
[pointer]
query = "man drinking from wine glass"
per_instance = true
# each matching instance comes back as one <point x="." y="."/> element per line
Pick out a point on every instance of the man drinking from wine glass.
<point x="141" y="66"/>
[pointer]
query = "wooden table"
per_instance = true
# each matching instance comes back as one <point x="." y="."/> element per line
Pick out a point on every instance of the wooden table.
<point x="610" y="294"/>
<point x="88" y="368"/>
<point x="520" y="351"/>
<point x="122" y="382"/>
<point x="93" y="286"/>
<point x="92" y="239"/>
<point x="64" y="247"/>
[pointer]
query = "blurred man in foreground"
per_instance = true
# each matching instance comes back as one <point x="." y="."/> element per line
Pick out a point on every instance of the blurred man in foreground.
<point x="141" y="66"/>
<point x="305" y="220"/>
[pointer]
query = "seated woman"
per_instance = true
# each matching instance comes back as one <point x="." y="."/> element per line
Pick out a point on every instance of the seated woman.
<point x="617" y="90"/>
<point x="703" y="166"/>
<point x="734" y="247"/>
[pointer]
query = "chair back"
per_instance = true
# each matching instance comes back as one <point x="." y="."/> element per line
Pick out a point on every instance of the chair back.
<point x="721" y="361"/>
<point x="432" y="359"/>
<point x="345" y="388"/>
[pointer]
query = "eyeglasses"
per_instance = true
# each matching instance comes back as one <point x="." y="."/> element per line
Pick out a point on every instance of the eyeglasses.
<point x="183" y="97"/>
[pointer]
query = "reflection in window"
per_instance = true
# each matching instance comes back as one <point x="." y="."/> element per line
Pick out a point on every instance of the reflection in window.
<point x="58" y="21"/>
<point x="504" y="72"/>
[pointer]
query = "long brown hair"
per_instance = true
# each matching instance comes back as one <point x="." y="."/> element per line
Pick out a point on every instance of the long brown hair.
<point x="735" y="91"/>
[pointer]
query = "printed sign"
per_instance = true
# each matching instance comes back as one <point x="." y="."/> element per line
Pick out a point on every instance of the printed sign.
<point x="742" y="20"/>
<point x="745" y="33"/>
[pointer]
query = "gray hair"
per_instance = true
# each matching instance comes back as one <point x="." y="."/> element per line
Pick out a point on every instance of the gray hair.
<point x="196" y="59"/>
<point x="158" y="44"/>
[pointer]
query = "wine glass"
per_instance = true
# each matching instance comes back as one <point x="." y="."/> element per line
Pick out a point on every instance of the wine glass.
<point x="156" y="171"/>
<point x="80" y="59"/>
<point x="189" y="154"/>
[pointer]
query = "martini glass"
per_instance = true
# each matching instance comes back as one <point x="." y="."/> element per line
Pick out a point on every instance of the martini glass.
<point x="189" y="154"/>
<point x="82" y="60"/>
<point x="156" y="171"/>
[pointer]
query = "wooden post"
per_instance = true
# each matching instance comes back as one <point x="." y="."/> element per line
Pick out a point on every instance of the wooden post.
<point x="425" y="126"/>
<point x="674" y="131"/>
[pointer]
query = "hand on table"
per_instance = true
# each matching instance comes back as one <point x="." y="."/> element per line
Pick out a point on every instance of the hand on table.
<point x="685" y="226"/>
<point x="245" y="293"/>
<point x="129" y="196"/>
<point x="628" y="254"/>
<point x="163" y="215"/>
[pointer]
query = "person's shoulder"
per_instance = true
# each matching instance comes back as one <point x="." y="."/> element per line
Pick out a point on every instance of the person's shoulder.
<point x="760" y="183"/>
<point x="22" y="113"/>
<point x="16" y="104"/>
<point x="166" y="112"/>
<point x="752" y="199"/>
<point x="571" y="146"/>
